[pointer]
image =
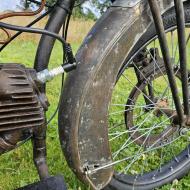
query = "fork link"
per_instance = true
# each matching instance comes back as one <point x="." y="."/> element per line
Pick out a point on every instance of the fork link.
<point x="39" y="151"/>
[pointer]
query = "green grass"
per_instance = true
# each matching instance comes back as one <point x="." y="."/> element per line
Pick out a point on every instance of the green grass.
<point x="16" y="167"/>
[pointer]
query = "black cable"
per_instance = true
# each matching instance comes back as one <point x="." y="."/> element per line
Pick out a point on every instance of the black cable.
<point x="29" y="25"/>
<point x="68" y="54"/>
<point x="35" y="31"/>
<point x="59" y="103"/>
<point x="63" y="36"/>
<point x="67" y="26"/>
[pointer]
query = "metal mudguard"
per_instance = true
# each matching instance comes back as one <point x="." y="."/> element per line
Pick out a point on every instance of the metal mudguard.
<point x="164" y="5"/>
<point x="85" y="140"/>
<point x="125" y="3"/>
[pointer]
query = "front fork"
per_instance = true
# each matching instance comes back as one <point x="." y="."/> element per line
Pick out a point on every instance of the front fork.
<point x="183" y="115"/>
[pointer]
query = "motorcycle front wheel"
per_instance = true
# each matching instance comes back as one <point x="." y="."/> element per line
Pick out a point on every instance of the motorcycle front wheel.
<point x="148" y="147"/>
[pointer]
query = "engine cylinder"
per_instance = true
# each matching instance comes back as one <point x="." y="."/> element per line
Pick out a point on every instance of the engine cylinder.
<point x="22" y="105"/>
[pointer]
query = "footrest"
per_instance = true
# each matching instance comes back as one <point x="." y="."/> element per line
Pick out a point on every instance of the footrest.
<point x="51" y="183"/>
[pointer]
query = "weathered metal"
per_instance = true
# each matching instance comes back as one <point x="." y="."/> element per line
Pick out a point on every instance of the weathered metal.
<point x="22" y="105"/>
<point x="164" y="5"/>
<point x="84" y="140"/>
<point x="30" y="13"/>
<point x="29" y="25"/>
<point x="39" y="151"/>
<point x="25" y="13"/>
<point x="7" y="33"/>
<point x="126" y="4"/>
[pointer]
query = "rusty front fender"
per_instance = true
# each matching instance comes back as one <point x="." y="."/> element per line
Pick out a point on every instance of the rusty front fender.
<point x="82" y="121"/>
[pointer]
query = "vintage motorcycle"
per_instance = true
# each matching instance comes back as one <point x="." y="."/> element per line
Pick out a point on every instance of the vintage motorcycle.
<point x="124" y="114"/>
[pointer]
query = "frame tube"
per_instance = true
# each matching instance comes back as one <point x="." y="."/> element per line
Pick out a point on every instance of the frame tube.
<point x="180" y="16"/>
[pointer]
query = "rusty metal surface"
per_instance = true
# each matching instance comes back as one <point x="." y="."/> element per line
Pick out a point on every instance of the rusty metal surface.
<point x="131" y="3"/>
<point x="84" y="136"/>
<point x="30" y="13"/>
<point x="7" y="33"/>
<point x="125" y="4"/>
<point x="39" y="151"/>
<point x="12" y="14"/>
<point x="20" y="105"/>
<point x="8" y="140"/>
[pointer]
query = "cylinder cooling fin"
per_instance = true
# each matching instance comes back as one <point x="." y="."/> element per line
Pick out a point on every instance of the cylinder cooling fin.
<point x="20" y="105"/>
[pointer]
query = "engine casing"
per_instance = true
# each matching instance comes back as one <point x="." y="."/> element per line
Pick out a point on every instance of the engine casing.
<point x="22" y="105"/>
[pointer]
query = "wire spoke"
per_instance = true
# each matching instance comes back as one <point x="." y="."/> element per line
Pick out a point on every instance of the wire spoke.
<point x="146" y="118"/>
<point x="125" y="145"/>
